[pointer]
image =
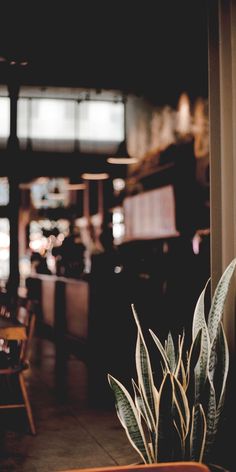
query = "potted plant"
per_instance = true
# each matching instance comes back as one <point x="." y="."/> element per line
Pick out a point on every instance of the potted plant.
<point x="176" y="417"/>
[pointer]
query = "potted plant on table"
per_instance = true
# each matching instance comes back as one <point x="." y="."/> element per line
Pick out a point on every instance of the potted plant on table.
<point x="176" y="418"/>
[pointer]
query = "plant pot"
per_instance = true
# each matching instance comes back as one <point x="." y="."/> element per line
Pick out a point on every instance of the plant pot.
<point x="217" y="468"/>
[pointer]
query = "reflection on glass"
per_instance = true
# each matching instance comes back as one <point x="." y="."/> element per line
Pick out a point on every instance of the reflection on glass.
<point x="101" y="121"/>
<point x="4" y="117"/>
<point x="4" y="191"/>
<point x="61" y="120"/>
<point x="4" y="249"/>
<point x="41" y="118"/>
<point x="118" y="227"/>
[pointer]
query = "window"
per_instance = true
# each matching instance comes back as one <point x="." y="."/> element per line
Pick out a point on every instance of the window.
<point x="4" y="249"/>
<point x="41" y="118"/>
<point x="4" y="191"/>
<point x="56" y="124"/>
<point x="101" y="121"/>
<point x="4" y="117"/>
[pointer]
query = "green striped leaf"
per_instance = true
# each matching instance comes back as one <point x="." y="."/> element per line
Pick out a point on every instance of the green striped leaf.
<point x="144" y="372"/>
<point x="180" y="354"/>
<point x="181" y="402"/>
<point x="223" y="365"/>
<point x="199" y="319"/>
<point x="145" y="381"/>
<point x="182" y="376"/>
<point x="139" y="403"/>
<point x="193" y="358"/>
<point x="217" y="380"/>
<point x="161" y="350"/>
<point x="202" y="366"/>
<point x="165" y="425"/>
<point x="212" y="360"/>
<point x="210" y="418"/>
<point x="198" y="433"/>
<point x="170" y="352"/>
<point x="129" y="419"/>
<point x="218" y="300"/>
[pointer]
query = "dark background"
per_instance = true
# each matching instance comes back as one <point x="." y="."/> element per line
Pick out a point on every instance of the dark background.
<point x="153" y="49"/>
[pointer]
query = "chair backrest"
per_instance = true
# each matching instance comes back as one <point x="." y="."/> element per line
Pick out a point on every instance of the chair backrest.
<point x="28" y="318"/>
<point x="4" y="302"/>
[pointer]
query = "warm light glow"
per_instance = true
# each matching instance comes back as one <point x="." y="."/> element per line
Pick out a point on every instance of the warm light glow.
<point x="38" y="245"/>
<point x="4" y="240"/>
<point x="41" y="180"/>
<point x="183" y="115"/>
<point x="122" y="160"/>
<point x="118" y="184"/>
<point x="5" y="117"/>
<point x="81" y="222"/>
<point x="75" y="186"/>
<point x="101" y="176"/>
<point x="118" y="227"/>
<point x="101" y="121"/>
<point x="201" y="129"/>
<point x="25" y="267"/>
<point x="167" y="135"/>
<point x="96" y="220"/>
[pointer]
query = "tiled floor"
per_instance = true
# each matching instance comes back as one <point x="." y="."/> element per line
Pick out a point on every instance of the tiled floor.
<point x="70" y="432"/>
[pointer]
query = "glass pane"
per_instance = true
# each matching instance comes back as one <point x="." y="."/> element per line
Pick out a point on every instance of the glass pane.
<point x="4" y="250"/>
<point x="41" y="118"/>
<point x="101" y="121"/>
<point x="23" y="128"/>
<point x="4" y="191"/>
<point x="4" y="117"/>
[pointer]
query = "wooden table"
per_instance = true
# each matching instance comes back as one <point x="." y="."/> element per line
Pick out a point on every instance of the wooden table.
<point x="12" y="330"/>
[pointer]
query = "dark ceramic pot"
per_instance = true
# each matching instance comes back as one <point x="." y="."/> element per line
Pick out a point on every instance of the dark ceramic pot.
<point x="217" y="468"/>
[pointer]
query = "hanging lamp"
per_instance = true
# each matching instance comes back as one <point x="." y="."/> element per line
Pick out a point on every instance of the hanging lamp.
<point x="95" y="176"/>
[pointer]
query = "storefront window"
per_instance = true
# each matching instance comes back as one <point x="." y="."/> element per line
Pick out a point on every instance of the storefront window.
<point x="101" y="121"/>
<point x="5" y="117"/>
<point x="4" y="250"/>
<point x="4" y="191"/>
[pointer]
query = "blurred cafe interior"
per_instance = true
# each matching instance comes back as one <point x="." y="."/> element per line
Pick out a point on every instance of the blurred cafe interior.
<point x="104" y="202"/>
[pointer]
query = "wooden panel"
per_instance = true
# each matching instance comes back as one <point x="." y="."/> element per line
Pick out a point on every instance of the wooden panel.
<point x="76" y="296"/>
<point x="48" y="304"/>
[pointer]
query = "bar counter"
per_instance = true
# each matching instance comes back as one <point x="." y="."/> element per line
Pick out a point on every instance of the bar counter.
<point x="63" y="303"/>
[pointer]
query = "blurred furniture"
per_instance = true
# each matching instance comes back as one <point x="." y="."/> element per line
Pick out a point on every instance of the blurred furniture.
<point x="161" y="467"/>
<point x="63" y="304"/>
<point x="18" y="334"/>
<point x="12" y="329"/>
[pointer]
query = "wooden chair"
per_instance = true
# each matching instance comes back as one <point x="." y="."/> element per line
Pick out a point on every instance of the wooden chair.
<point x="161" y="467"/>
<point x="18" y="362"/>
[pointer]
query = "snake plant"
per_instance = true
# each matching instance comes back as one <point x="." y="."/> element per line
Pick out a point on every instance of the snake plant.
<point x="178" y="419"/>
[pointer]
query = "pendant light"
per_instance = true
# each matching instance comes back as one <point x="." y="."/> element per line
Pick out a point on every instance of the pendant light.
<point x="74" y="186"/>
<point x="95" y="176"/>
